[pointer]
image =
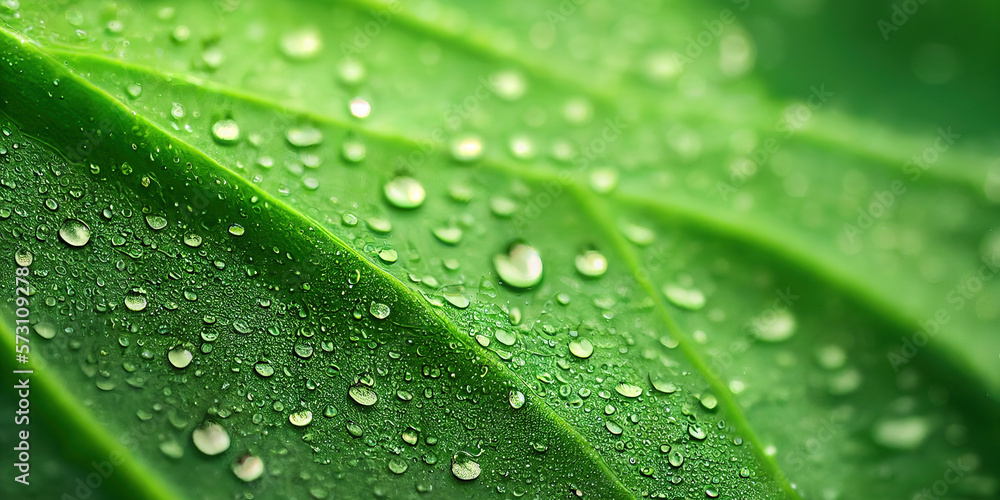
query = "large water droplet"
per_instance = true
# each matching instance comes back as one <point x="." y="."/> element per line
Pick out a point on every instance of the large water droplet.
<point x="301" y="45"/>
<point x="397" y="465"/>
<point x="179" y="357"/>
<point x="156" y="222"/>
<point x="405" y="192"/>
<point x="591" y="264"/>
<point x="379" y="310"/>
<point x="360" y="108"/>
<point x="226" y="132"/>
<point x="581" y="348"/>
<point x="464" y="467"/>
<point x="774" y="326"/>
<point x="521" y="267"/>
<point x="23" y="257"/>
<point x="628" y="390"/>
<point x="135" y="299"/>
<point x="467" y="148"/>
<point x="301" y="418"/>
<point x="211" y="438"/>
<point x="249" y="468"/>
<point x="516" y="399"/>
<point x="363" y="395"/>
<point x="74" y="232"/>
<point x="304" y="136"/>
<point x="904" y="433"/>
<point x="686" y="298"/>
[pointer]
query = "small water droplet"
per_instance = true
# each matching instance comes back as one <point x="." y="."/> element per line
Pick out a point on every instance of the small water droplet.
<point x="628" y="390"/>
<point x="613" y="427"/>
<point x="302" y="44"/>
<point x="467" y="148"/>
<point x="397" y="465"/>
<point x="448" y="234"/>
<point x="696" y="432"/>
<point x="236" y="230"/>
<point x="264" y="369"/>
<point x="405" y="192"/>
<point x="774" y="326"/>
<point x="509" y="84"/>
<point x="23" y="257"/>
<point x="604" y="180"/>
<point x="675" y="458"/>
<point x="902" y="433"/>
<point x="74" y="232"/>
<point x="521" y="267"/>
<point x="505" y="337"/>
<point x="211" y="438"/>
<point x="304" y="136"/>
<point x="156" y="222"/>
<point x="192" y="240"/>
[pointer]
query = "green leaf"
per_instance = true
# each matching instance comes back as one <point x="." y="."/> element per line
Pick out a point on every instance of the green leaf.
<point x="537" y="249"/>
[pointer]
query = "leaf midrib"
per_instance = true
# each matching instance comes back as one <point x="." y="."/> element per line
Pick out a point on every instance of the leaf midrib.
<point x="401" y="288"/>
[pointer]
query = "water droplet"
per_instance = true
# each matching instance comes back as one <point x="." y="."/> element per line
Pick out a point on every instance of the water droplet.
<point x="179" y="357"/>
<point x="520" y="268"/>
<point x="211" y="438"/>
<point x="388" y="255"/>
<point x="675" y="458"/>
<point x="591" y="264"/>
<point x="135" y="299"/>
<point x="712" y="492"/>
<point x="522" y="147"/>
<point x="226" y="132"/>
<point x="464" y="467"/>
<point x="354" y="429"/>
<point x="505" y="337"/>
<point x="604" y="180"/>
<point x="397" y="465"/>
<point x="744" y="472"/>
<point x="613" y="427"/>
<point x="192" y="240"/>
<point x="467" y="148"/>
<point x="509" y="84"/>
<point x="709" y="401"/>
<point x="775" y="326"/>
<point x="581" y="348"/>
<point x="903" y="433"/>
<point x="686" y="298"/>
<point x="379" y="310"/>
<point x="448" y="234"/>
<point x="351" y="71"/>
<point x="45" y="330"/>
<point x="410" y="436"/>
<point x="134" y="90"/>
<point x="354" y="149"/>
<point x="304" y="136"/>
<point x="360" y="108"/>
<point x="363" y="395"/>
<point x="264" y="369"/>
<point x="695" y="431"/>
<point x="637" y="234"/>
<point x="236" y="230"/>
<point x="74" y="232"/>
<point x="23" y="257"/>
<point x="516" y="399"/>
<point x="301" y="418"/>
<point x="831" y="357"/>
<point x="156" y="222"/>
<point x="405" y="192"/>
<point x="628" y="390"/>
<point x="249" y="468"/>
<point x="302" y="44"/>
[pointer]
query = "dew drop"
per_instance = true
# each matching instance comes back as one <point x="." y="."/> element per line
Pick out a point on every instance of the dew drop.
<point x="249" y="468"/>
<point x="236" y="230"/>
<point x="464" y="467"/>
<point x="405" y="192"/>
<point x="156" y="222"/>
<point x="179" y="357"/>
<point x="521" y="267"/>
<point x="360" y="108"/>
<point x="397" y="465"/>
<point x="685" y="298"/>
<point x="304" y="136"/>
<point x="696" y="432"/>
<point x="301" y="418"/>
<point x="467" y="148"/>
<point x="776" y="326"/>
<point x="904" y="433"/>
<point x="675" y="458"/>
<point x="516" y="399"/>
<point x="192" y="240"/>
<point x="363" y="395"/>
<point x="509" y="84"/>
<point x="581" y="348"/>
<point x="613" y="427"/>
<point x="448" y="234"/>
<point x="23" y="257"/>
<point x="591" y="264"/>
<point x="135" y="299"/>
<point x="74" y="232"/>
<point x="226" y="132"/>
<point x="211" y="438"/>
<point x="604" y="180"/>
<point x="264" y="369"/>
<point x="505" y="337"/>
<point x="302" y="44"/>
<point x="628" y="390"/>
<point x="379" y="310"/>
